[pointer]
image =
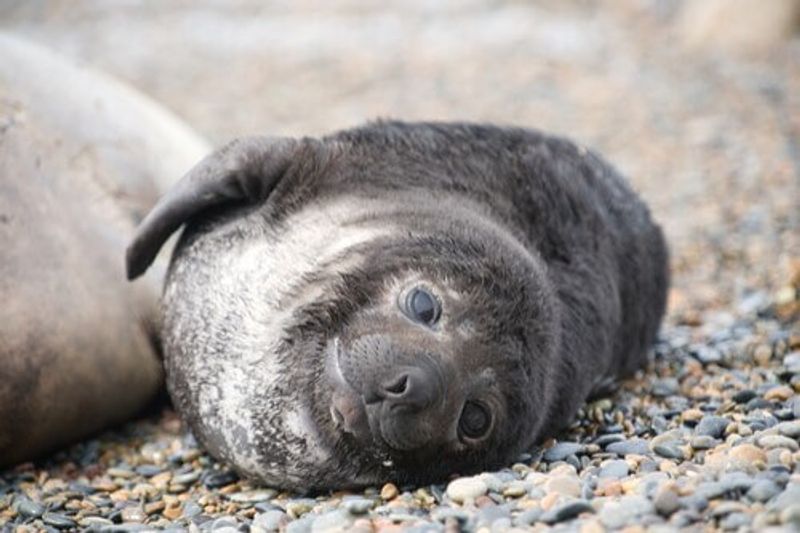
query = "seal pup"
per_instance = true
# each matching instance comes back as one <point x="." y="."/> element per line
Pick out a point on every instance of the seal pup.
<point x="399" y="301"/>
<point x="82" y="158"/>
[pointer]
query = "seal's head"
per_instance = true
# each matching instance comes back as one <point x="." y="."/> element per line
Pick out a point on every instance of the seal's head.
<point x="318" y="336"/>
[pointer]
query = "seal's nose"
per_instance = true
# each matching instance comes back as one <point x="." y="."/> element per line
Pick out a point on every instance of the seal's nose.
<point x="410" y="386"/>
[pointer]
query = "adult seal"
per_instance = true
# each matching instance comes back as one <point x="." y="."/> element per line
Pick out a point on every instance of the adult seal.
<point x="398" y="301"/>
<point x="82" y="159"/>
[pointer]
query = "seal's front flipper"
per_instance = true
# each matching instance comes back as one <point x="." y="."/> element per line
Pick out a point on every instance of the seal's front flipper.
<point x="244" y="171"/>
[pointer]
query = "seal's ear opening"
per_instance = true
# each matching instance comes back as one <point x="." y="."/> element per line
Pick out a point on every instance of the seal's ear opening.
<point x="244" y="171"/>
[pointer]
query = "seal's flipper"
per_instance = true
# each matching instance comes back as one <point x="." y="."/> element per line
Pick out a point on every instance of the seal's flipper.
<point x="245" y="170"/>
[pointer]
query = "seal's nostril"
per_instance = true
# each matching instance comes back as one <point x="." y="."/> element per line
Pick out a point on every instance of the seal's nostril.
<point x="398" y="387"/>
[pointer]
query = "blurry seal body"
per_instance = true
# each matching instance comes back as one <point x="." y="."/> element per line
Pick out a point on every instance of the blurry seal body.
<point x="399" y="301"/>
<point x="82" y="159"/>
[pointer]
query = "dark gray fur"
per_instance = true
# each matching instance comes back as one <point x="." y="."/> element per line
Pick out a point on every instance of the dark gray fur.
<point x="561" y="272"/>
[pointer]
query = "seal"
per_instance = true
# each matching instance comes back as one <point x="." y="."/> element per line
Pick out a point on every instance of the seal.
<point x="82" y="158"/>
<point x="399" y="301"/>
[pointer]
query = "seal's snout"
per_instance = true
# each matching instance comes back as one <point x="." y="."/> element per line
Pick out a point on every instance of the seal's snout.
<point x="412" y="387"/>
<point x="390" y="395"/>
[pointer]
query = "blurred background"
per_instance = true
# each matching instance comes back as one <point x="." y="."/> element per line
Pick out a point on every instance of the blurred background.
<point x="697" y="102"/>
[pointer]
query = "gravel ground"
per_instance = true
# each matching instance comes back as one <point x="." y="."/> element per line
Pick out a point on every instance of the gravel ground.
<point x="707" y="438"/>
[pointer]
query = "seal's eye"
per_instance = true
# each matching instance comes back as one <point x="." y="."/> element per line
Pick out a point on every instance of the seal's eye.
<point x="475" y="421"/>
<point x="421" y="306"/>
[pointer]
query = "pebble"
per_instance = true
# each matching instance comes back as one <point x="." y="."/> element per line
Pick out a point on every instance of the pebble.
<point x="271" y="520"/>
<point x="769" y="442"/>
<point x="566" y="511"/>
<point x="389" y="492"/>
<point x="763" y="490"/>
<point x="29" y="508"/>
<point x="629" y="447"/>
<point x="220" y="479"/>
<point x="712" y="426"/>
<point x="59" y="521"/>
<point x="615" y="469"/>
<point x="358" y="506"/>
<point x="564" y="485"/>
<point x="779" y="394"/>
<point x="465" y="489"/>
<point x="133" y="514"/>
<point x="666" y="502"/>
<point x="562" y="450"/>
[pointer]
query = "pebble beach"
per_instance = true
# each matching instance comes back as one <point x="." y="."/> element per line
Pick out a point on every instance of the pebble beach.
<point x="707" y="438"/>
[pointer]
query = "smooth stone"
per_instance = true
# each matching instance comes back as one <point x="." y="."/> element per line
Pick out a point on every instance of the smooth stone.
<point x="789" y="496"/>
<point x="605" y="440"/>
<point x="735" y="521"/>
<point x="487" y="516"/>
<point x="712" y="426"/>
<point x="515" y="489"/>
<point x="302" y="525"/>
<point x="187" y="478"/>
<point x="703" y="442"/>
<point x="669" y="451"/>
<point x="665" y="387"/>
<point x="59" y="521"/>
<point x="763" y="490"/>
<point x="629" y="447"/>
<point x="359" y="506"/>
<point x="28" y="508"/>
<point x="666" y="502"/>
<point x="191" y="509"/>
<point x="791" y="514"/>
<point x="270" y="520"/>
<point x="336" y="520"/>
<point x="562" y="450"/>
<point x="566" y="511"/>
<point x="466" y="488"/>
<point x="148" y="470"/>
<point x="629" y="509"/>
<point x="777" y="441"/>
<point x="614" y="469"/>
<point x="528" y="517"/>
<point x="441" y="514"/>
<point x="217" y="480"/>
<point x="789" y="429"/>
<point x="564" y="485"/>
<point x="744" y="396"/>
<point x="223" y="522"/>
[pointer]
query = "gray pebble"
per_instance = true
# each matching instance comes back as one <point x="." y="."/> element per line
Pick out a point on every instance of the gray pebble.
<point x="665" y="387"/>
<point x="191" y="509"/>
<point x="703" y="442"/>
<point x="28" y="508"/>
<point x="566" y="511"/>
<point x="629" y="447"/>
<point x="735" y="521"/>
<point x="712" y="426"/>
<point x="668" y="450"/>
<point x="490" y="514"/>
<point x="763" y="490"/>
<point x="270" y="520"/>
<point x="666" y="502"/>
<point x="615" y="469"/>
<point x="629" y="509"/>
<point x="528" y="517"/>
<point x="443" y="513"/>
<point x="789" y="429"/>
<point x="301" y="525"/>
<point x="58" y="520"/>
<point x="562" y="450"/>
<point x="187" y="478"/>
<point x="789" y="496"/>
<point x="359" y="506"/>
<point x="336" y="520"/>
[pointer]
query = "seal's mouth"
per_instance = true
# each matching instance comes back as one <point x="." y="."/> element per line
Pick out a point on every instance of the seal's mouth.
<point x="348" y="410"/>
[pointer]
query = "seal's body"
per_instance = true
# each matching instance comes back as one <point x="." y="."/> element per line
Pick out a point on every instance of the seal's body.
<point x="82" y="157"/>
<point x="399" y="301"/>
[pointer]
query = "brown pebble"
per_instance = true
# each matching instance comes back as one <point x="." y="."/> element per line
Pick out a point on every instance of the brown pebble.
<point x="762" y="354"/>
<point x="161" y="480"/>
<point x="691" y="415"/>
<point x="173" y="513"/>
<point x="780" y="393"/>
<point x="389" y="492"/>
<point x="154" y="507"/>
